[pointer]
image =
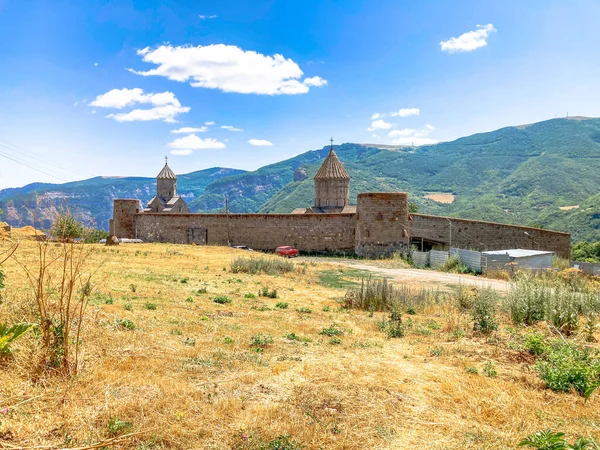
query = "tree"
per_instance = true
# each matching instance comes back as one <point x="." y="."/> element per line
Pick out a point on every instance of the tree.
<point x="66" y="227"/>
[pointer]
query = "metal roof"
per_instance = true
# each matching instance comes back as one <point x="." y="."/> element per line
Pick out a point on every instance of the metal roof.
<point x="518" y="252"/>
<point x="166" y="173"/>
<point x="332" y="169"/>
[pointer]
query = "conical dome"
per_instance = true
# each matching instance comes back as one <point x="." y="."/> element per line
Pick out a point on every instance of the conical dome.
<point x="332" y="169"/>
<point x="166" y="173"/>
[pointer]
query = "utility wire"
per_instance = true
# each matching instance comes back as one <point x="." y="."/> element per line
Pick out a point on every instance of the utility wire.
<point x="31" y="167"/>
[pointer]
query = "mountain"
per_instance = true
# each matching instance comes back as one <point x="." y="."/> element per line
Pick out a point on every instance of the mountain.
<point x="91" y="200"/>
<point x="543" y="174"/>
<point x="520" y="174"/>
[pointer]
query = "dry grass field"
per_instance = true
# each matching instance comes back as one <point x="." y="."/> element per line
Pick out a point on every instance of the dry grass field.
<point x="161" y="358"/>
<point x="441" y="197"/>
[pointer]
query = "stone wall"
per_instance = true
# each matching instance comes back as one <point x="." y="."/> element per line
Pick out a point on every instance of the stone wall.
<point x="481" y="236"/>
<point x="307" y="232"/>
<point x="331" y="193"/>
<point x="124" y="215"/>
<point x="381" y="223"/>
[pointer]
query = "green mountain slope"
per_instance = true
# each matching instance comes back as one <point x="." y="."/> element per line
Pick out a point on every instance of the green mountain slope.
<point x="516" y="175"/>
<point x="521" y="175"/>
<point x="91" y="200"/>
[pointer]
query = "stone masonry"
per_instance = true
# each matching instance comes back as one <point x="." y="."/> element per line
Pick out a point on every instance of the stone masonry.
<point x="379" y="225"/>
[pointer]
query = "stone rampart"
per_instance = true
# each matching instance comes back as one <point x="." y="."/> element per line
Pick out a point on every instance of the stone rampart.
<point x="481" y="236"/>
<point x="307" y="232"/>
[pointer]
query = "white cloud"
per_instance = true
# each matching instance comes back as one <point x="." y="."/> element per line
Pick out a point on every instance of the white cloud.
<point x="120" y="98"/>
<point x="228" y="68"/>
<point x="203" y="17"/>
<point x="379" y="124"/>
<point x="209" y="123"/>
<point x="429" y="127"/>
<point x="166" y="113"/>
<point x="315" y="81"/>
<point x="376" y="116"/>
<point x="231" y="128"/>
<point x="193" y="142"/>
<point x="76" y="103"/>
<point x="181" y="152"/>
<point x="189" y="130"/>
<point x="95" y="64"/>
<point x="469" y="41"/>
<point x="260" y="143"/>
<point x="166" y="105"/>
<point x="410" y="136"/>
<point x="405" y="112"/>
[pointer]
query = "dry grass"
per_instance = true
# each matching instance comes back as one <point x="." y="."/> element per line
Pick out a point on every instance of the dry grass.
<point x="441" y="197"/>
<point x="368" y="392"/>
<point x="568" y="208"/>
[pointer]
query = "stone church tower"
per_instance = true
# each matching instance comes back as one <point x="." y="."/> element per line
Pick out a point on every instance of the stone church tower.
<point x="166" y="200"/>
<point x="332" y="191"/>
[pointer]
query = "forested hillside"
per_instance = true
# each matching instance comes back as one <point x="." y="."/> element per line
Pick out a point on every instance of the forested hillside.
<point x="544" y="174"/>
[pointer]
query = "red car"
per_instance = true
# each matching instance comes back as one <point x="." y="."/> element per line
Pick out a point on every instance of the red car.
<point x="286" y="251"/>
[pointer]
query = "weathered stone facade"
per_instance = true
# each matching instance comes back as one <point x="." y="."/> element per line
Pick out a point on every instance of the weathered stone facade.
<point x="379" y="225"/>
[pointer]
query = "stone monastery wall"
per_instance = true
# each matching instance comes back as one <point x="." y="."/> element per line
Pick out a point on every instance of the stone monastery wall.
<point x="479" y="235"/>
<point x="309" y="232"/>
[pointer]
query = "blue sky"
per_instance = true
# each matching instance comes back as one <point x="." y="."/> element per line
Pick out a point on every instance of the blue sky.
<point x="98" y="88"/>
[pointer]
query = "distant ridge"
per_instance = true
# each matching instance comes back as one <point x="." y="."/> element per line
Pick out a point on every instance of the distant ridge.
<point x="517" y="174"/>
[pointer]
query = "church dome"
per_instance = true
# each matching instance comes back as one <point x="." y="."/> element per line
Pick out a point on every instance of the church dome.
<point x="332" y="169"/>
<point x="166" y="173"/>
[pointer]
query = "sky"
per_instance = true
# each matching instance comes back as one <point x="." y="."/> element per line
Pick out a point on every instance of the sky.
<point x="109" y="88"/>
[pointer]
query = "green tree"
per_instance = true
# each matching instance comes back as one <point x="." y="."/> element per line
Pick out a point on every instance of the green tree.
<point x="66" y="227"/>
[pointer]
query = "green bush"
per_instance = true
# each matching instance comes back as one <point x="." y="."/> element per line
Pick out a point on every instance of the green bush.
<point x="150" y="306"/>
<point x="548" y="440"/>
<point x="304" y="310"/>
<point x="565" y="366"/>
<point x="453" y="264"/>
<point x="535" y="343"/>
<point x="281" y="305"/>
<point x="222" y="299"/>
<point x="125" y="324"/>
<point x="93" y="235"/>
<point x="254" y="265"/>
<point x="66" y="227"/>
<point x="266" y="292"/>
<point x="332" y="330"/>
<point x="261" y="340"/>
<point x="489" y="369"/>
<point x="484" y="312"/>
<point x="249" y="295"/>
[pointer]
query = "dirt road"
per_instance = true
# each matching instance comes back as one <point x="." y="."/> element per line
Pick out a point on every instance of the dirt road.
<point x="426" y="277"/>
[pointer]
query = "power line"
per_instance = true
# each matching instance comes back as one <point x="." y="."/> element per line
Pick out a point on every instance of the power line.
<point x="30" y="166"/>
<point x="23" y="152"/>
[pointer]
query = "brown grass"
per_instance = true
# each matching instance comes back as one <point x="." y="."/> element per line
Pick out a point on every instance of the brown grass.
<point x="441" y="197"/>
<point x="370" y="392"/>
<point x="568" y="208"/>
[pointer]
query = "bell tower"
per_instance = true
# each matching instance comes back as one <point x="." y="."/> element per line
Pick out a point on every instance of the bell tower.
<point x="332" y="183"/>
<point x="166" y="183"/>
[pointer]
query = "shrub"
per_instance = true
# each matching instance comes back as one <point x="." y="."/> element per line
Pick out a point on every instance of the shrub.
<point x="222" y="299"/>
<point x="326" y="308"/>
<point x="566" y="366"/>
<point x="254" y="265"/>
<point x="261" y="340"/>
<point x="249" y="295"/>
<point x="535" y="344"/>
<point x="281" y="305"/>
<point x="380" y="295"/>
<point x="332" y="330"/>
<point x="453" y="264"/>
<point x="128" y="306"/>
<point x="228" y="340"/>
<point x="125" y="324"/>
<point x="304" y="310"/>
<point x="472" y="369"/>
<point x="10" y="334"/>
<point x="282" y="442"/>
<point x="66" y="227"/>
<point x="484" y="312"/>
<point x="189" y="300"/>
<point x="150" y="306"/>
<point x="489" y="369"/>
<point x="335" y="341"/>
<point x="548" y="440"/>
<point x="265" y="292"/>
<point x="436" y="351"/>
<point x="295" y="337"/>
